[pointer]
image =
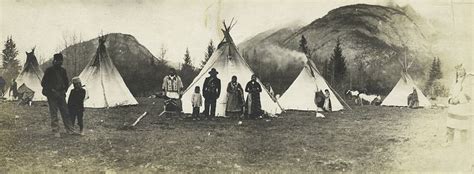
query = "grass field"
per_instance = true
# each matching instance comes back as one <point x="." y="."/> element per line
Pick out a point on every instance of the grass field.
<point x="366" y="139"/>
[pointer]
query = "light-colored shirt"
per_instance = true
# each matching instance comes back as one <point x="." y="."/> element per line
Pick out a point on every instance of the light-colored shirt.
<point x="172" y="84"/>
<point x="196" y="100"/>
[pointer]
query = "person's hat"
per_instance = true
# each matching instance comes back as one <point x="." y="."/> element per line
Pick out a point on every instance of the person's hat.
<point x="76" y="80"/>
<point x="58" y="57"/>
<point x="213" y="71"/>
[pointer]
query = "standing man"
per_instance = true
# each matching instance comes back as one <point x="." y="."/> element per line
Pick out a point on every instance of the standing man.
<point x="211" y="91"/>
<point x="55" y="84"/>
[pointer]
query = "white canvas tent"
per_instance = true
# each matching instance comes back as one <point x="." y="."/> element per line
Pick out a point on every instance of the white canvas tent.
<point x="104" y="86"/>
<point x="31" y="76"/>
<point x="228" y="62"/>
<point x="399" y="94"/>
<point x="300" y="94"/>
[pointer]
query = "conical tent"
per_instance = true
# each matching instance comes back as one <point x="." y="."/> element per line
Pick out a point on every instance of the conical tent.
<point x="399" y="94"/>
<point x="228" y="62"/>
<point x="31" y="76"/>
<point x="300" y="94"/>
<point x="104" y="86"/>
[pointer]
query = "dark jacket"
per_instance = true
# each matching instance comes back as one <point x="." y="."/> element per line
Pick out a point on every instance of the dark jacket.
<point x="211" y="88"/>
<point x="76" y="99"/>
<point x="55" y="82"/>
<point x="253" y="87"/>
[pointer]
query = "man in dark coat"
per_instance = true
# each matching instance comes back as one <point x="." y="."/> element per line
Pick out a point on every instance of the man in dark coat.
<point x="211" y="91"/>
<point x="55" y="84"/>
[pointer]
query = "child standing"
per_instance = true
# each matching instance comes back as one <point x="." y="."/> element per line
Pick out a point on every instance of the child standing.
<point x="196" y="102"/>
<point x="76" y="103"/>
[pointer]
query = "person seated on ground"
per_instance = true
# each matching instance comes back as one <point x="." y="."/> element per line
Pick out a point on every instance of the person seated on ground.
<point x="327" y="107"/>
<point x="319" y="101"/>
<point x="413" y="99"/>
<point x="270" y="89"/>
<point x="172" y="88"/>
<point x="235" y="98"/>
<point x="25" y="95"/>
<point x="196" y="102"/>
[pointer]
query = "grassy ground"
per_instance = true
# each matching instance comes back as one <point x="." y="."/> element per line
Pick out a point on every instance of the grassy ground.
<point x="366" y="139"/>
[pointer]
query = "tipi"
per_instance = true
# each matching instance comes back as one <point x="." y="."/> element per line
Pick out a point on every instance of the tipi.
<point x="31" y="76"/>
<point x="300" y="94"/>
<point x="104" y="85"/>
<point x="228" y="62"/>
<point x="399" y="94"/>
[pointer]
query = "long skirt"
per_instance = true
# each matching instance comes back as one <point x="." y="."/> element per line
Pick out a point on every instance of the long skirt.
<point x="253" y="105"/>
<point x="234" y="103"/>
<point x="460" y="116"/>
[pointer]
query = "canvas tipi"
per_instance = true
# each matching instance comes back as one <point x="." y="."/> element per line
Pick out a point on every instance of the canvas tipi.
<point x="228" y="62"/>
<point x="30" y="76"/>
<point x="300" y="95"/>
<point x="103" y="83"/>
<point x="399" y="94"/>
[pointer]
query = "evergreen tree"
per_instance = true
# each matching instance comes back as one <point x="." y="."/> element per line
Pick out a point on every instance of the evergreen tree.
<point x="433" y="86"/>
<point x="362" y="75"/>
<point x="210" y="50"/>
<point x="304" y="47"/>
<point x="338" y="62"/>
<point x="10" y="63"/>
<point x="187" y="69"/>
<point x="439" y="73"/>
<point x="326" y="69"/>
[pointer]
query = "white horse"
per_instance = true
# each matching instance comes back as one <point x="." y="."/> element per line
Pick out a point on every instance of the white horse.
<point x="369" y="98"/>
<point x="354" y="95"/>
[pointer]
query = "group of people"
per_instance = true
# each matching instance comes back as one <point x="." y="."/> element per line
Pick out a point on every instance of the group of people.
<point x="55" y="84"/>
<point x="236" y="105"/>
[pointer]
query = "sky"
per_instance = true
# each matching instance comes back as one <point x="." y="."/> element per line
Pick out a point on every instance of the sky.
<point x="180" y="24"/>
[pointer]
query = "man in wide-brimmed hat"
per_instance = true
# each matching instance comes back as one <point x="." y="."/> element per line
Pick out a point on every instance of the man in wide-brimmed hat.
<point x="211" y="91"/>
<point x="55" y="84"/>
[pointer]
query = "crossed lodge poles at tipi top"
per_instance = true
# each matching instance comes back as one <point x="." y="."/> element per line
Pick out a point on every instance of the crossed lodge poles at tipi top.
<point x="30" y="76"/>
<point x="104" y="86"/>
<point x="228" y="62"/>
<point x="301" y="93"/>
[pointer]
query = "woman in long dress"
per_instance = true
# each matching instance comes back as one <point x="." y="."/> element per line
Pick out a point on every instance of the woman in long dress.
<point x="253" y="105"/>
<point x="460" y="110"/>
<point x="235" y="98"/>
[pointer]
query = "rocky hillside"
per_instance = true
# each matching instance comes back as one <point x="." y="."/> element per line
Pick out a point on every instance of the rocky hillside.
<point x="141" y="71"/>
<point x="372" y="37"/>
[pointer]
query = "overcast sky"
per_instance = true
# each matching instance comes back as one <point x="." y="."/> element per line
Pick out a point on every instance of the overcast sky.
<point x="178" y="24"/>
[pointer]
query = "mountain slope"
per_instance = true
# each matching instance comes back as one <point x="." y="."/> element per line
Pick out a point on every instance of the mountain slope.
<point x="373" y="37"/>
<point x="141" y="71"/>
